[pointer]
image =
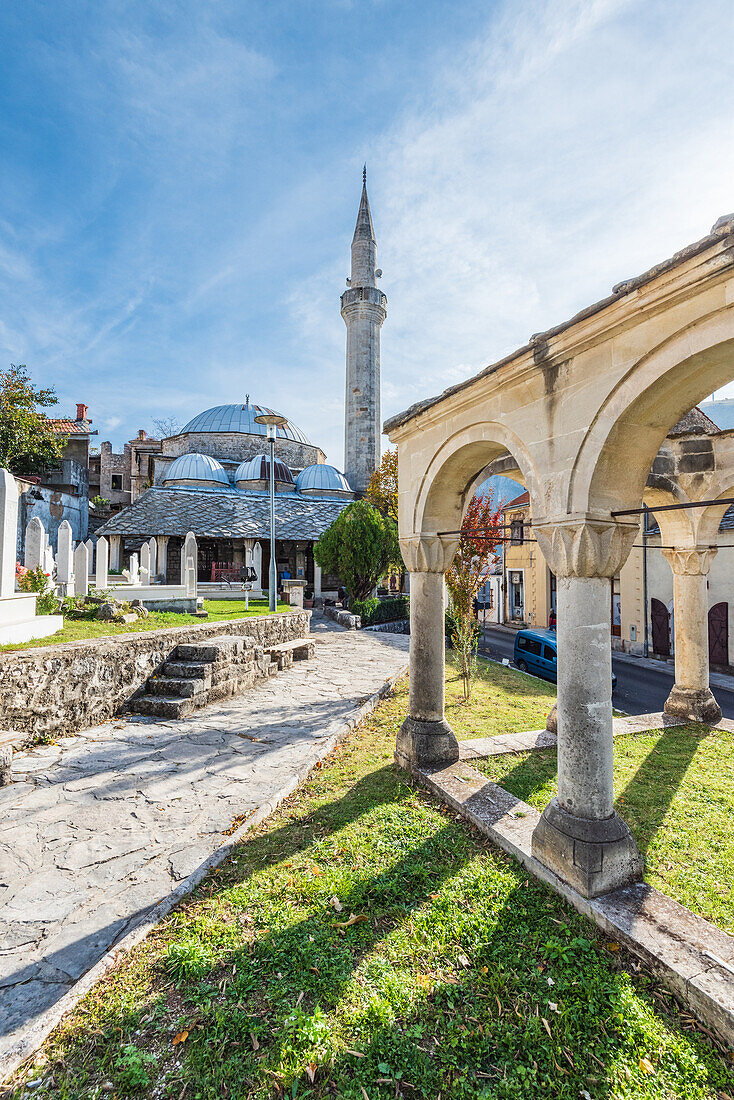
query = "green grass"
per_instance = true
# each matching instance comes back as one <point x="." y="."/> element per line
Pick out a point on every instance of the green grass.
<point x="502" y="700"/>
<point x="460" y="978"/>
<point x="80" y="630"/>
<point x="675" y="790"/>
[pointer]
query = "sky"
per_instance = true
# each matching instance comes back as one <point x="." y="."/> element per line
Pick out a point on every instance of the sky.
<point x="180" y="180"/>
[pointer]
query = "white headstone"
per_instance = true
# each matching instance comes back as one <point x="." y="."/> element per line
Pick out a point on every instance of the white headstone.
<point x="100" y="578"/>
<point x="35" y="543"/>
<point x="133" y="570"/>
<point x="81" y="569"/>
<point x="90" y="555"/>
<point x="48" y="560"/>
<point x="145" y="562"/>
<point x="114" y="551"/>
<point x="189" y="564"/>
<point x="257" y="565"/>
<point x="8" y="532"/>
<point x="153" y="557"/>
<point x="64" y="558"/>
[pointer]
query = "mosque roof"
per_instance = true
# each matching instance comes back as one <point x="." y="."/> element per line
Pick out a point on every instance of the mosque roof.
<point x="258" y="469"/>
<point x="196" y="467"/>
<point x="223" y="513"/>
<point x="240" y="418"/>
<point x="323" y="478"/>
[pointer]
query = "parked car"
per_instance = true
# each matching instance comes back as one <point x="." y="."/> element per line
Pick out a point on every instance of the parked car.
<point x="536" y="652"/>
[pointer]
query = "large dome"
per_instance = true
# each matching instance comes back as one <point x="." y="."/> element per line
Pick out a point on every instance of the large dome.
<point x="195" y="467"/>
<point x="240" y="418"/>
<point x="322" y="478"/>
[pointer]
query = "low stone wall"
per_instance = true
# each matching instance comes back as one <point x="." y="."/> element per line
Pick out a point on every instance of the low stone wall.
<point x="399" y="626"/>
<point x="62" y="688"/>
<point x="343" y="618"/>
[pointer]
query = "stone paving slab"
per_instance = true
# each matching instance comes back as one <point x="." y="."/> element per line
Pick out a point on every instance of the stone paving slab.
<point x="694" y="958"/>
<point x="99" y="828"/>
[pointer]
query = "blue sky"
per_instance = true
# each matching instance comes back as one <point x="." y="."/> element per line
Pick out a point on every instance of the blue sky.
<point x="179" y="184"/>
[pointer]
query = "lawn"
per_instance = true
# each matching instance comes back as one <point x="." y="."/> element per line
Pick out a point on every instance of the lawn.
<point x="79" y="630"/>
<point x="364" y="943"/>
<point x="503" y="700"/>
<point x="675" y="790"/>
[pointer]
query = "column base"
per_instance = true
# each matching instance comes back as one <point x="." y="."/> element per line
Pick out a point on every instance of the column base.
<point x="426" y="744"/>
<point x="694" y="706"/>
<point x="592" y="856"/>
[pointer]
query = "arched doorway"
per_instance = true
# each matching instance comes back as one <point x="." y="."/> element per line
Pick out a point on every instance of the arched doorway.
<point x="719" y="634"/>
<point x="660" y="628"/>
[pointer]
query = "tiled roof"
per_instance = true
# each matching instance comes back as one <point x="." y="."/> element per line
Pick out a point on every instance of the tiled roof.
<point x="69" y="427"/>
<point x="694" y="422"/>
<point x="524" y="498"/>
<point x="225" y="513"/>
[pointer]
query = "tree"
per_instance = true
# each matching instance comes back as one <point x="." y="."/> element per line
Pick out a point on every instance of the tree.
<point x="481" y="534"/>
<point x="28" y="443"/>
<point x="382" y="490"/>
<point x="359" y="548"/>
<point x="165" y="426"/>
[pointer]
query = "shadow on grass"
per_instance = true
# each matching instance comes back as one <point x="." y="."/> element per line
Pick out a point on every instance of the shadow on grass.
<point x="465" y="979"/>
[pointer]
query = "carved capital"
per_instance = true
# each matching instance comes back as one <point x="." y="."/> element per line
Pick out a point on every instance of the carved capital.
<point x="428" y="553"/>
<point x="690" y="563"/>
<point x="585" y="548"/>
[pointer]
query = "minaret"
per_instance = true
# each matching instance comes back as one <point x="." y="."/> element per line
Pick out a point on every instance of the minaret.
<point x="363" y="310"/>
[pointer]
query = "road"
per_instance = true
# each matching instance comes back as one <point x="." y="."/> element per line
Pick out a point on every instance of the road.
<point x="640" y="689"/>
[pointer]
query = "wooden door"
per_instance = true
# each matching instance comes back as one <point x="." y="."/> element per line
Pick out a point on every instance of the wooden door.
<point x="719" y="634"/>
<point x="660" y="628"/>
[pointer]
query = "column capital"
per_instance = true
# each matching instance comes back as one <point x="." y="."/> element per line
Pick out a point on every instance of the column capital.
<point x="585" y="547"/>
<point x="428" y="553"/>
<point x="694" y="562"/>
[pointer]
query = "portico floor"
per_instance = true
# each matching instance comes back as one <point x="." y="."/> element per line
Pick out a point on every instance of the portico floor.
<point x="103" y="831"/>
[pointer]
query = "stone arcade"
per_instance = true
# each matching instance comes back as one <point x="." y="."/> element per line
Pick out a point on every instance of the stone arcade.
<point x="579" y="415"/>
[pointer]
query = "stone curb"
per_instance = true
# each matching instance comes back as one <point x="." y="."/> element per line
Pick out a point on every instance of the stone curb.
<point x="38" y="1031"/>
<point x="688" y="954"/>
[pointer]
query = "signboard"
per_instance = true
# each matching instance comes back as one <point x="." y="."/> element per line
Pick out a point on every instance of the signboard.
<point x="516" y="578"/>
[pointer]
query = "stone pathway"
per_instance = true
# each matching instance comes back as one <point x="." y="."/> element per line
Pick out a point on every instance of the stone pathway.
<point x="103" y="825"/>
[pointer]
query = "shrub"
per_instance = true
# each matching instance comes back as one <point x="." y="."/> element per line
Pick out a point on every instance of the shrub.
<point x="35" y="580"/>
<point x="373" y="611"/>
<point x="359" y="547"/>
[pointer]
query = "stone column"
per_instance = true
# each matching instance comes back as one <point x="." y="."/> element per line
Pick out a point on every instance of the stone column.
<point x="579" y="835"/>
<point x="425" y="738"/>
<point x="162" y="542"/>
<point x="114" y="553"/>
<point x="691" y="697"/>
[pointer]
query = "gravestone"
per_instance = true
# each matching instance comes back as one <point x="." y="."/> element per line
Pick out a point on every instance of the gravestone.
<point x="189" y="564"/>
<point x="100" y="577"/>
<point x="35" y="543"/>
<point x="64" y="559"/>
<point x="81" y="569"/>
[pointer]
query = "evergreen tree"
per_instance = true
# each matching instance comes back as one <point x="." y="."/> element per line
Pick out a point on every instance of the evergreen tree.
<point x="359" y="548"/>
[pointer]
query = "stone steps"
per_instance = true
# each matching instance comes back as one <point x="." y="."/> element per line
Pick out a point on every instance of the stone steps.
<point x="202" y="673"/>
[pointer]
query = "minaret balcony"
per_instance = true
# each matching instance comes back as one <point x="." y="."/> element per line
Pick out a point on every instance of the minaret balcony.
<point x="361" y="295"/>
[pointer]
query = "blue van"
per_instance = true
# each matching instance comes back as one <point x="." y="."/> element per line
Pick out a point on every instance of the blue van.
<point x="536" y="652"/>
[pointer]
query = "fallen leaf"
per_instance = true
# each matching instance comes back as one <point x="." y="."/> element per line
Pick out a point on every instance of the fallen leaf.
<point x="425" y="981"/>
<point x="336" y="904"/>
<point x="342" y="924"/>
<point x="255" y="1044"/>
<point x="180" y="1038"/>
<point x="434" y="896"/>
<point x="354" y="1053"/>
<point x="311" y="1071"/>
<point x="484" y="970"/>
<point x="612" y="947"/>
<point x="646" y="1066"/>
<point x="364" y="1094"/>
<point x="546" y="1025"/>
<point x="464" y="961"/>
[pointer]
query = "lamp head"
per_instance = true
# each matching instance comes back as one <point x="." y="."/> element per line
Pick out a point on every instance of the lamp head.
<point x="271" y="421"/>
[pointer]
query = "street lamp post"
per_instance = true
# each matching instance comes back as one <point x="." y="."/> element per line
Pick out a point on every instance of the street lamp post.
<point x="272" y="422"/>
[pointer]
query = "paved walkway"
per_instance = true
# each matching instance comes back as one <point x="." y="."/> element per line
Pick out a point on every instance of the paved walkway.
<point x="102" y="826"/>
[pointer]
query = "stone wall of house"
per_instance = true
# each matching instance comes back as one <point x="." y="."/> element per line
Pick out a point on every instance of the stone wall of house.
<point x="52" y="507"/>
<point x="59" y="689"/>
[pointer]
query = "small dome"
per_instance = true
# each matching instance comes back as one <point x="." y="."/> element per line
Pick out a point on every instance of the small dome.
<point x="258" y="469"/>
<point x="195" y="467"/>
<point x="240" y="418"/>
<point x="321" y="478"/>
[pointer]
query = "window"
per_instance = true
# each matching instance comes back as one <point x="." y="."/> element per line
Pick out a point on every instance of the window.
<point x="549" y="653"/>
<point x="529" y="644"/>
<point x="117" y="482"/>
<point x="516" y="532"/>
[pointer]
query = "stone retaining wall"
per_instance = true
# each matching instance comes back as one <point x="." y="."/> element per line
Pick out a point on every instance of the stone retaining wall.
<point x="343" y="618"/>
<point x="398" y="626"/>
<point x="62" y="688"/>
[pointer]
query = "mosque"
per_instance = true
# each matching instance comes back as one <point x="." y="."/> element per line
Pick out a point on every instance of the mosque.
<point x="213" y="476"/>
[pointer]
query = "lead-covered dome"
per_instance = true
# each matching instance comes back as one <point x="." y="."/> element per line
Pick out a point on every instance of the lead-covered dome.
<point x="255" y="474"/>
<point x="322" y="480"/>
<point x="198" y="469"/>
<point x="240" y="418"/>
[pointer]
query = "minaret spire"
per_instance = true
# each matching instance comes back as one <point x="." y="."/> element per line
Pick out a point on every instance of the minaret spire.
<point x="363" y="310"/>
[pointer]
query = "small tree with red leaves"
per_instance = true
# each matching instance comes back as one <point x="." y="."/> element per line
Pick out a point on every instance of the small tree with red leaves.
<point x="481" y="534"/>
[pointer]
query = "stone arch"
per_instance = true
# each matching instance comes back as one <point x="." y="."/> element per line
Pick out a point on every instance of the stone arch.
<point x="614" y="459"/>
<point x="458" y="468"/>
